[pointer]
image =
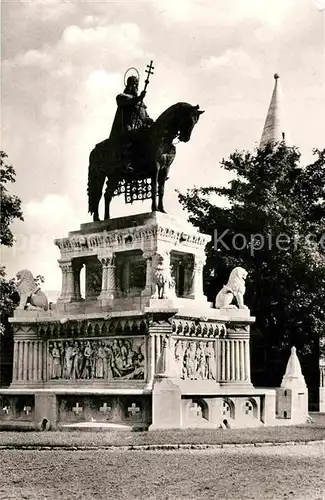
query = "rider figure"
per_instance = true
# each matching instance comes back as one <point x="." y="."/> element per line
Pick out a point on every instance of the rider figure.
<point x="131" y="112"/>
<point x="131" y="115"/>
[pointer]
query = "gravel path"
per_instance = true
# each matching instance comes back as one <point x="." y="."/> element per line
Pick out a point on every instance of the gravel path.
<point x="281" y="472"/>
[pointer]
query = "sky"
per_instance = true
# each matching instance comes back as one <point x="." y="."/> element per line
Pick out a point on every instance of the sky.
<point x="63" y="63"/>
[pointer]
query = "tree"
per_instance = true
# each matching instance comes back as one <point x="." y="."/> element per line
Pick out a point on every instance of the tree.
<point x="10" y="209"/>
<point x="10" y="204"/>
<point x="274" y="227"/>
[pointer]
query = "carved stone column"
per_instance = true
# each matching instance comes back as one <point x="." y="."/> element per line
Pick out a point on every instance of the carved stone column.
<point x="148" y="289"/>
<point x="151" y="363"/>
<point x="68" y="286"/>
<point x="247" y="361"/>
<point x="109" y="287"/>
<point x="76" y="280"/>
<point x="188" y="276"/>
<point x="197" y="279"/>
<point x="15" y="369"/>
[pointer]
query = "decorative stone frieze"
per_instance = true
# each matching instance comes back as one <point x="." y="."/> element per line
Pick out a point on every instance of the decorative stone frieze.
<point x="79" y="243"/>
<point x="198" y="328"/>
<point x="91" y="327"/>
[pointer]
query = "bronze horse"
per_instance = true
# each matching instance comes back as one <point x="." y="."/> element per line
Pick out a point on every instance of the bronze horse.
<point x="146" y="153"/>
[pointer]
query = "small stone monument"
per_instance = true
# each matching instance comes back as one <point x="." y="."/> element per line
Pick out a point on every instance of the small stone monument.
<point x="292" y="397"/>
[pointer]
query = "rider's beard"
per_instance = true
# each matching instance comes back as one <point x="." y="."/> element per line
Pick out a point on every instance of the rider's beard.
<point x="134" y="91"/>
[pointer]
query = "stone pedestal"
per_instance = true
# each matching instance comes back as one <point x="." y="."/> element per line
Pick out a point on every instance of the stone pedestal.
<point x="143" y="347"/>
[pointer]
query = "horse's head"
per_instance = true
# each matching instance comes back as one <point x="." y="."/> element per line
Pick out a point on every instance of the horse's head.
<point x="189" y="118"/>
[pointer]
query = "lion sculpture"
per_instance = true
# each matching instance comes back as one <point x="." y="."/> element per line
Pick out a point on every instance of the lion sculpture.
<point x="234" y="289"/>
<point x="31" y="296"/>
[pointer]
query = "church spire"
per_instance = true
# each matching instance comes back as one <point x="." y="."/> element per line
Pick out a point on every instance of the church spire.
<point x="273" y="127"/>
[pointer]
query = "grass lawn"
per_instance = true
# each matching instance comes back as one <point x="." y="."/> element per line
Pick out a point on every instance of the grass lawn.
<point x="278" y="473"/>
<point x="307" y="432"/>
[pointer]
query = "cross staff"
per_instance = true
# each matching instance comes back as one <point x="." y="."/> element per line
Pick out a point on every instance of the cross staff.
<point x="149" y="72"/>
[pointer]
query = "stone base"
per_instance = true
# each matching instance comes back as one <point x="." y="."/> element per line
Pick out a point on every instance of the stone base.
<point x="166" y="405"/>
<point x="70" y="409"/>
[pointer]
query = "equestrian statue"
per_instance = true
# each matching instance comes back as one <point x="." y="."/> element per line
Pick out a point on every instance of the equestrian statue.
<point x="138" y="149"/>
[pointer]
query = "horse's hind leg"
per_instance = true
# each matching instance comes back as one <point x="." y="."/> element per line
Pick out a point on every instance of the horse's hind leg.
<point x="111" y="185"/>
<point x="96" y="179"/>
<point x="97" y="196"/>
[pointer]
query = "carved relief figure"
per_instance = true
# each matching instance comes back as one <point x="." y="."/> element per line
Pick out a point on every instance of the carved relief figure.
<point x="200" y="364"/>
<point x="88" y="361"/>
<point x="160" y="281"/>
<point x="94" y="280"/>
<point x="76" y="361"/>
<point x="56" y="362"/>
<point x="31" y="296"/>
<point x="163" y="281"/>
<point x="179" y="358"/>
<point x="108" y="373"/>
<point x="138" y="359"/>
<point x="190" y="361"/>
<point x="235" y="289"/>
<point x="97" y="359"/>
<point x="130" y="353"/>
<point x="211" y="366"/>
<point x="100" y="361"/>
<point x="124" y="353"/>
<point x="68" y="360"/>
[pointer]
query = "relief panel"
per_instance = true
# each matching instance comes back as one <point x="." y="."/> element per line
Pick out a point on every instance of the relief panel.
<point x="114" y="358"/>
<point x="195" y="360"/>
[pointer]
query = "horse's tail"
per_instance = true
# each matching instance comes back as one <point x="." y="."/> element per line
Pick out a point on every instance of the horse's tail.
<point x="96" y="178"/>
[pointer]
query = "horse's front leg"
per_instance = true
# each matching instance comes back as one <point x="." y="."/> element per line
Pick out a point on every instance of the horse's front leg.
<point x="108" y="200"/>
<point x="161" y="190"/>
<point x="154" y="182"/>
